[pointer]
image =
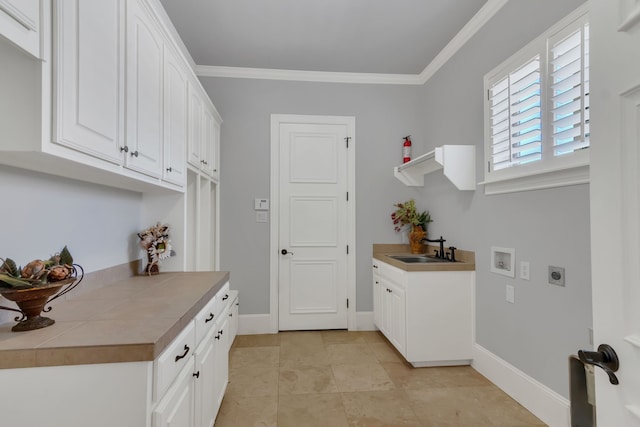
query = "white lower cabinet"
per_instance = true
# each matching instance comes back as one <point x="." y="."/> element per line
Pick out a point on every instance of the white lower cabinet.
<point x="427" y="316"/>
<point x="205" y="380"/>
<point x="221" y="356"/>
<point x="176" y="407"/>
<point x="233" y="318"/>
<point x="195" y="395"/>
<point x="389" y="311"/>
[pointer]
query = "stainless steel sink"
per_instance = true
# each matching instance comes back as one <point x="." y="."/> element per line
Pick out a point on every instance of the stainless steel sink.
<point x="412" y="259"/>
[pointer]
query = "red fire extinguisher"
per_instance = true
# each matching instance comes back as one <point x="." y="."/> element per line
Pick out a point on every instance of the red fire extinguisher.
<point x="406" y="149"/>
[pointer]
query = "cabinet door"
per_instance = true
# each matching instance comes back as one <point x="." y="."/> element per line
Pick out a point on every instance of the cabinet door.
<point x="385" y="308"/>
<point x="396" y="316"/>
<point x="89" y="77"/>
<point x="205" y="382"/>
<point x="378" y="295"/>
<point x="196" y="106"/>
<point x="233" y="323"/>
<point x="144" y="91"/>
<point x="176" y="407"/>
<point x="211" y="130"/>
<point x="20" y="23"/>
<point x="175" y="119"/>
<point x="222" y="360"/>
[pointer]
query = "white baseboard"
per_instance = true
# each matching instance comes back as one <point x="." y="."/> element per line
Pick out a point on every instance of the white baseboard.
<point x="552" y="408"/>
<point x="364" y="321"/>
<point x="250" y="324"/>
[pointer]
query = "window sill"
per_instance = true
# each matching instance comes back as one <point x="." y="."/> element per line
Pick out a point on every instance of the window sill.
<point x="549" y="179"/>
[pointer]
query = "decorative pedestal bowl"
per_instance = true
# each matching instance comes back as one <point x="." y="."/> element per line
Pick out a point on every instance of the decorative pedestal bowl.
<point x="33" y="301"/>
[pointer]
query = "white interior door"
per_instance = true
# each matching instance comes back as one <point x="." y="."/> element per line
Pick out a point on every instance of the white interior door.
<point x="313" y="226"/>
<point x="615" y="203"/>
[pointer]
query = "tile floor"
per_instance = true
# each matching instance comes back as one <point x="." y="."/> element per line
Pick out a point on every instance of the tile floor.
<point x="340" y="378"/>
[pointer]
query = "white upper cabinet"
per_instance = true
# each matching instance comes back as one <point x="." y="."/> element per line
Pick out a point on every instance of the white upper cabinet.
<point x="176" y="91"/>
<point x="20" y="23"/>
<point x="145" y="65"/>
<point x="204" y="133"/>
<point x="112" y="101"/>
<point x="211" y="128"/>
<point x="196" y="107"/>
<point x="89" y="78"/>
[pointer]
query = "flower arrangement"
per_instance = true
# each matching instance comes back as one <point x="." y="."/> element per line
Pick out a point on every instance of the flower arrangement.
<point x="36" y="273"/>
<point x="407" y="214"/>
<point x="155" y="241"/>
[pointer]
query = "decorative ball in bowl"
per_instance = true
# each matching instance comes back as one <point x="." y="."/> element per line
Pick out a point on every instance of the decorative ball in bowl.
<point x="35" y="285"/>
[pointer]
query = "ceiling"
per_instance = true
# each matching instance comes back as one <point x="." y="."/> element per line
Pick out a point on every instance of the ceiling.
<point x="356" y="36"/>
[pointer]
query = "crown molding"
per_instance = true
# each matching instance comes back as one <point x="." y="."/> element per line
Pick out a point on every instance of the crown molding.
<point x="478" y="21"/>
<point x="307" y="76"/>
<point x="464" y="35"/>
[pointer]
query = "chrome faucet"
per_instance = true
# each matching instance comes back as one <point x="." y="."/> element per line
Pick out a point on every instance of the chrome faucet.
<point x="449" y="256"/>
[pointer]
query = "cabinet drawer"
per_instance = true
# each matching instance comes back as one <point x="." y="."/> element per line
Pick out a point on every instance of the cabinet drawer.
<point x="390" y="272"/>
<point x="224" y="298"/>
<point x="206" y="318"/>
<point x="173" y="359"/>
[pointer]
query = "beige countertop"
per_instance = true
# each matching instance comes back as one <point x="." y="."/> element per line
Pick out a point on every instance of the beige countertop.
<point x="466" y="260"/>
<point x="127" y="321"/>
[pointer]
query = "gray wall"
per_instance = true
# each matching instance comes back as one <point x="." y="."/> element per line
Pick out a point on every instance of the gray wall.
<point x="42" y="213"/>
<point x="383" y="115"/>
<point x="546" y="227"/>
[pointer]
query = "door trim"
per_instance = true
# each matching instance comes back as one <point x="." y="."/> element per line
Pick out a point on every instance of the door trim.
<point x="276" y="121"/>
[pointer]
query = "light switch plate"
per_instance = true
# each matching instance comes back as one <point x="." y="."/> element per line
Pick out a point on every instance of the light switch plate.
<point x="525" y="270"/>
<point x="262" y="216"/>
<point x="510" y="294"/>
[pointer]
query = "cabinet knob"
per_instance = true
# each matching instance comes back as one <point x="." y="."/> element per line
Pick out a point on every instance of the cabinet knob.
<point x="125" y="149"/>
<point x="196" y="374"/>
<point x="135" y="153"/>
<point x="169" y="169"/>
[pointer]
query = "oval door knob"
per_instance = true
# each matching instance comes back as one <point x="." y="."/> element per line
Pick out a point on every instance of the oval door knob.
<point x="285" y="252"/>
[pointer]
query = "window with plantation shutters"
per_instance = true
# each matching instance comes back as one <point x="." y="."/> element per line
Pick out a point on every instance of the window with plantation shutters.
<point x="515" y="117"/>
<point x="569" y="69"/>
<point x="537" y="112"/>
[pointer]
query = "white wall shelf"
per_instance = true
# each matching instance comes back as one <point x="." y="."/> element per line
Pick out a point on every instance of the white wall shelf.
<point x="458" y="163"/>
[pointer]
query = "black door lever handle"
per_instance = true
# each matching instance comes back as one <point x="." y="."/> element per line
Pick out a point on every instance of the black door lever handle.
<point x="605" y="358"/>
